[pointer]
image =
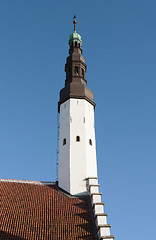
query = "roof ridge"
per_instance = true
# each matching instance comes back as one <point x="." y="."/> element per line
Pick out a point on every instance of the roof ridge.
<point x="26" y="181"/>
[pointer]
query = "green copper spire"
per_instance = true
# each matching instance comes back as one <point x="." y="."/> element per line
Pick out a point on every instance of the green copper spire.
<point x="75" y="37"/>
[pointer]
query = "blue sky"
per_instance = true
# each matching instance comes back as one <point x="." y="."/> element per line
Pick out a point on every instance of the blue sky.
<point x="119" y="44"/>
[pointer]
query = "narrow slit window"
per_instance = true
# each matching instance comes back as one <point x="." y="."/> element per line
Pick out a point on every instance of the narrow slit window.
<point x="76" y="70"/>
<point x="77" y="138"/>
<point x="75" y="44"/>
<point x="82" y="72"/>
<point x="64" y="141"/>
<point x="90" y="142"/>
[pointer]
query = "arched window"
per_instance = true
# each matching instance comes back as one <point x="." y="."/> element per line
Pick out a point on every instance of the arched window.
<point x="82" y="72"/>
<point x="64" y="141"/>
<point x="77" y="138"/>
<point x="90" y="142"/>
<point x="76" y="70"/>
<point x="75" y="44"/>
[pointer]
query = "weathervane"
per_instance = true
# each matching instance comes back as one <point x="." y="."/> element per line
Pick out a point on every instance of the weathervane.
<point x="74" y="21"/>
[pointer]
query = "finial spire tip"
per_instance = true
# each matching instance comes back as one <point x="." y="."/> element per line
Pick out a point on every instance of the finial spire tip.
<point x="74" y="21"/>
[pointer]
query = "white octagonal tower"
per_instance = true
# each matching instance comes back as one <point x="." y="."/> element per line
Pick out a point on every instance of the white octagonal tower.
<point x="77" y="145"/>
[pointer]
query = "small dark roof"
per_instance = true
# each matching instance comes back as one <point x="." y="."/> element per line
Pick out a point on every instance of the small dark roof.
<point x="35" y="211"/>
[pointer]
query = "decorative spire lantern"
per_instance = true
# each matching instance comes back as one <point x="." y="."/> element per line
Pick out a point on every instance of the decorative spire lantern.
<point x="77" y="146"/>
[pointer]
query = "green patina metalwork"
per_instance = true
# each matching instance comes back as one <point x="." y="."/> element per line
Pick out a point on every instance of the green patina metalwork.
<point x="75" y="37"/>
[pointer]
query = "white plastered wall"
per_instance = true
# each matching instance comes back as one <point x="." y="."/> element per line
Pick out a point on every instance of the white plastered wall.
<point x="77" y="160"/>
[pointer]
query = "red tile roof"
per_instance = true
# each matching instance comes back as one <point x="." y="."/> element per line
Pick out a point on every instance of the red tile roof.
<point x="40" y="212"/>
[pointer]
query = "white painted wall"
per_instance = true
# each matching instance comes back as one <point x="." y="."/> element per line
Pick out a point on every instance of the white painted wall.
<point x="77" y="160"/>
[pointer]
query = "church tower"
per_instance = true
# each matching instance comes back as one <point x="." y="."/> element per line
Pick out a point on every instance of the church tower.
<point x="77" y="145"/>
<point x="54" y="214"/>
